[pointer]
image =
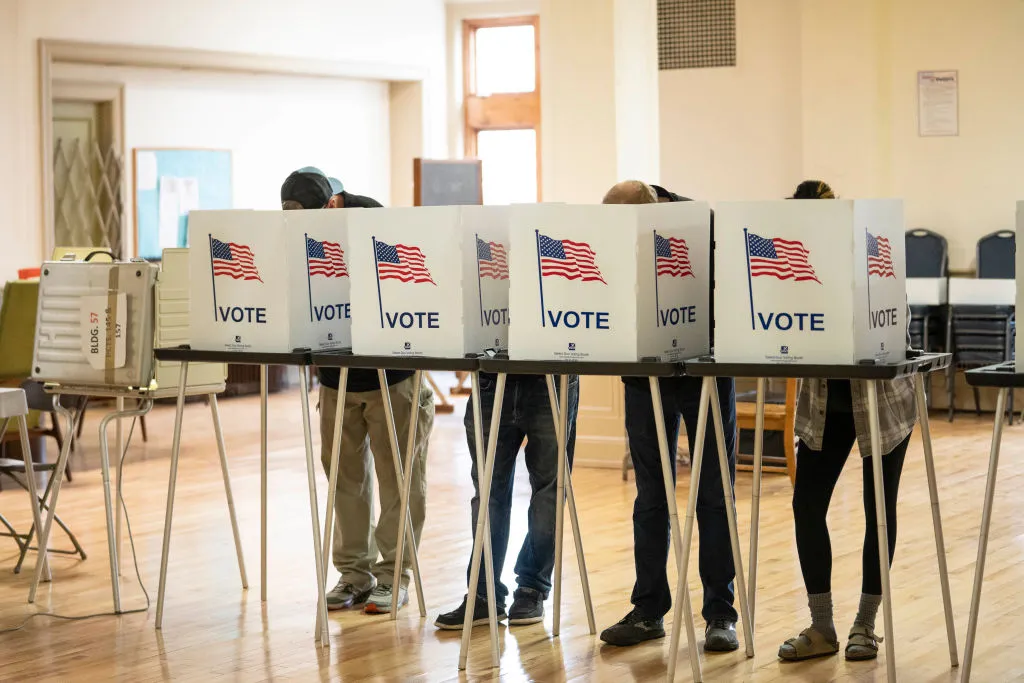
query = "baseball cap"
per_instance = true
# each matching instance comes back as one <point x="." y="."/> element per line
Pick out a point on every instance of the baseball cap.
<point x="336" y="185"/>
<point x="310" y="189"/>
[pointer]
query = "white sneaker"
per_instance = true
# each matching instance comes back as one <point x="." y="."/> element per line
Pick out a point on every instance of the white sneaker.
<point x="379" y="601"/>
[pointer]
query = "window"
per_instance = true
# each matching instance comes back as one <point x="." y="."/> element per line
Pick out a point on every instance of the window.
<point x="501" y="81"/>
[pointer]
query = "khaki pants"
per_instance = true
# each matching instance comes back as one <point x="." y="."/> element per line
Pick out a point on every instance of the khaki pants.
<point x="357" y="540"/>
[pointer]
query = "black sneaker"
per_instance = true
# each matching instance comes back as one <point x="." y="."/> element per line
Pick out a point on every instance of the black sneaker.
<point x="633" y="629"/>
<point x="527" y="607"/>
<point x="452" y="621"/>
<point x="720" y="636"/>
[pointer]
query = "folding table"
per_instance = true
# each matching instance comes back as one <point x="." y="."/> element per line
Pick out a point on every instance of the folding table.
<point x="653" y="371"/>
<point x="1004" y="377"/>
<point x="916" y="366"/>
<point x="299" y="358"/>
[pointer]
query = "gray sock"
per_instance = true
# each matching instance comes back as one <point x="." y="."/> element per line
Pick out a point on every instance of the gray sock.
<point x="821" y="614"/>
<point x="868" y="610"/>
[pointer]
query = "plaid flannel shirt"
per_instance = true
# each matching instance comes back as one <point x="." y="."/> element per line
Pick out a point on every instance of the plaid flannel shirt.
<point x="897" y="411"/>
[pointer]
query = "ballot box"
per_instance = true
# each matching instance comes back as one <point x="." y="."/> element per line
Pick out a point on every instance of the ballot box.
<point x="429" y="281"/>
<point x="810" y="281"/>
<point x="269" y="281"/>
<point x="618" y="283"/>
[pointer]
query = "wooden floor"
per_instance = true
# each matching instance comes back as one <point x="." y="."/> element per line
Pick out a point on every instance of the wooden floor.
<point x="213" y="630"/>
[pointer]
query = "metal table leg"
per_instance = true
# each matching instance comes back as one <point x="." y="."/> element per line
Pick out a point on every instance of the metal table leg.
<point x="682" y="587"/>
<point x="263" y="482"/>
<point x="883" y="537"/>
<point x="755" y="497"/>
<point x="561" y="416"/>
<point x="332" y="477"/>
<point x="409" y="536"/>
<point x="30" y="482"/>
<point x="730" y="513"/>
<point x="482" y="452"/>
<point x="314" y="512"/>
<point x="668" y="466"/>
<point x="219" y="435"/>
<point x="484" y="483"/>
<point x="143" y="408"/>
<point x="119" y="445"/>
<point x="405" y="482"/>
<point x="986" y="525"/>
<point x="58" y="478"/>
<point x="172" y="482"/>
<point x="933" y="494"/>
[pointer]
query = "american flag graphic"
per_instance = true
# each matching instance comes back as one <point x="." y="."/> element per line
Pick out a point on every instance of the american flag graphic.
<point x="671" y="257"/>
<point x="879" y="257"/>
<point x="568" y="259"/>
<point x="325" y="258"/>
<point x="233" y="260"/>
<point x="779" y="258"/>
<point x="491" y="260"/>
<point x="399" y="262"/>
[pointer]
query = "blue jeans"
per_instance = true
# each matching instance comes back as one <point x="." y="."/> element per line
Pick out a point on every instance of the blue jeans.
<point x="680" y="397"/>
<point x="525" y="414"/>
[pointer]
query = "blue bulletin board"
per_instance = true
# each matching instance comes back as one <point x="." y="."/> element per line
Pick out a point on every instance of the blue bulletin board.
<point x="167" y="184"/>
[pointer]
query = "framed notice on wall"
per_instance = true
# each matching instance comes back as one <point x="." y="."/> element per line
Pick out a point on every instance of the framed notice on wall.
<point x="938" y="103"/>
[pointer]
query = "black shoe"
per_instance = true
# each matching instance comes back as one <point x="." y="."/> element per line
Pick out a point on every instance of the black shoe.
<point x="720" y="636"/>
<point x="633" y="629"/>
<point x="527" y="607"/>
<point x="452" y="621"/>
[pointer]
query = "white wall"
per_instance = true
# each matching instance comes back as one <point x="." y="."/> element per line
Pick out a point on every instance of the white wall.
<point x="407" y="33"/>
<point x="272" y="125"/>
<point x="734" y="133"/>
<point x="827" y="89"/>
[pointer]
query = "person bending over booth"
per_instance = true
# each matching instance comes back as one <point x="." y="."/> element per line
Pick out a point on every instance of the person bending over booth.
<point x="680" y="397"/>
<point x="831" y="416"/>
<point x="364" y="578"/>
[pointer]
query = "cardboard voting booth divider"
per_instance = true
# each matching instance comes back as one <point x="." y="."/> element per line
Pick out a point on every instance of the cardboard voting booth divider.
<point x="269" y="281"/>
<point x="810" y="281"/>
<point x="429" y="281"/>
<point x="610" y="283"/>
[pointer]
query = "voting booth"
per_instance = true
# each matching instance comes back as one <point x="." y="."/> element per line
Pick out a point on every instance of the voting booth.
<point x="610" y="283"/>
<point x="269" y="281"/>
<point x="810" y="281"/>
<point x="429" y="281"/>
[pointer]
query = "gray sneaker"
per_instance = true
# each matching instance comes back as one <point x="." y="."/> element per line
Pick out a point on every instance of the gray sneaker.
<point x="720" y="636"/>
<point x="345" y="595"/>
<point x="379" y="601"/>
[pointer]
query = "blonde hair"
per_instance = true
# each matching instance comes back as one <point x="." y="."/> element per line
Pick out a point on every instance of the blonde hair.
<point x="630" y="192"/>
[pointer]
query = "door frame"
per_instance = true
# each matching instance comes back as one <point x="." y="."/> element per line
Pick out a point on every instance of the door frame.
<point x="411" y="105"/>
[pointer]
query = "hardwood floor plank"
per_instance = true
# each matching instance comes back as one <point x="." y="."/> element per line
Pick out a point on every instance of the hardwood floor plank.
<point x="213" y="630"/>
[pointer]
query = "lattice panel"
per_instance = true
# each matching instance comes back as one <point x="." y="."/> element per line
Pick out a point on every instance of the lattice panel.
<point x="696" y="34"/>
<point x="88" y="206"/>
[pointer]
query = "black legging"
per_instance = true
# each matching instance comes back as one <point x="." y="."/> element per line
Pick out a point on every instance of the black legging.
<point x="816" y="475"/>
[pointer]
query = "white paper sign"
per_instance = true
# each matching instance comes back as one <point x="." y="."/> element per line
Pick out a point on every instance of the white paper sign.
<point x="145" y="171"/>
<point x="938" y="103"/>
<point x="103" y="340"/>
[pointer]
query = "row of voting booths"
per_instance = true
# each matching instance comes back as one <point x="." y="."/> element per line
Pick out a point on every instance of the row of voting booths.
<point x="795" y="281"/>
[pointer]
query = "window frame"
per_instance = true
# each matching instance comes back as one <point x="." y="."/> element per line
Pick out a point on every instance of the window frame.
<point x="499" y="111"/>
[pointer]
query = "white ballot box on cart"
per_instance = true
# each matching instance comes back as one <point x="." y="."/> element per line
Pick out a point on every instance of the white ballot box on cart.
<point x="269" y="281"/>
<point x="610" y="283"/>
<point x="810" y="281"/>
<point x="429" y="281"/>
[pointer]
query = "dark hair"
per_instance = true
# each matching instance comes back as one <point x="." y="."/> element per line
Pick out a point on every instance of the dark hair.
<point x="813" y="189"/>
